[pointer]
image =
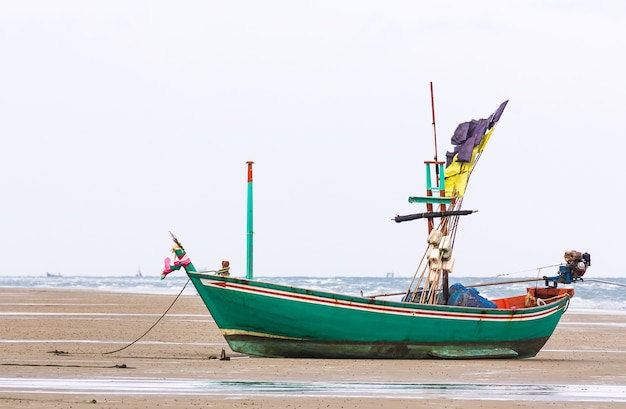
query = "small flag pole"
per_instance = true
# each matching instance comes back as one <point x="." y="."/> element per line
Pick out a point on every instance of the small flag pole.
<point x="432" y="104"/>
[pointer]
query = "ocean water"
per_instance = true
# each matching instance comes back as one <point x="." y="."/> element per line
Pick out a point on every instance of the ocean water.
<point x="590" y="295"/>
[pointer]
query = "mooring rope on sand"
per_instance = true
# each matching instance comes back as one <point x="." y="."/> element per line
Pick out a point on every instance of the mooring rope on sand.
<point x="153" y="325"/>
<point x="57" y="352"/>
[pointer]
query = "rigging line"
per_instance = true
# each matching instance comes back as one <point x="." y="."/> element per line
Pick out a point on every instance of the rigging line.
<point x="419" y="283"/>
<point x="455" y="222"/>
<point x="153" y="325"/>
<point x="416" y="272"/>
<point x="473" y="165"/>
<point x="538" y="269"/>
<point x="604" y="282"/>
<point x="478" y="155"/>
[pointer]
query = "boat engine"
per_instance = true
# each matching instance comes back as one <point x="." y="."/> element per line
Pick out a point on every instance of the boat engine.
<point x="575" y="267"/>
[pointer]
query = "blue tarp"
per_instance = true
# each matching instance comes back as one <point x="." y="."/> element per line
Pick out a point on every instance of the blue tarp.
<point x="462" y="296"/>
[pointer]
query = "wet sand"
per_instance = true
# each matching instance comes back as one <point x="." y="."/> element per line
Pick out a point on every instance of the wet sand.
<point x="55" y="354"/>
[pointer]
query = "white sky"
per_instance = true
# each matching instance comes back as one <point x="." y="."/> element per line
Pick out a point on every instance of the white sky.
<point x="121" y="120"/>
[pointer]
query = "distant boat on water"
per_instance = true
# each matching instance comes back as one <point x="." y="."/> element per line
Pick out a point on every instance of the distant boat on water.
<point x="138" y="273"/>
<point x="53" y="275"/>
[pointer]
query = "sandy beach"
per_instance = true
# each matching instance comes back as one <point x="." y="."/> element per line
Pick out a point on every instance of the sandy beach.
<point x="58" y="352"/>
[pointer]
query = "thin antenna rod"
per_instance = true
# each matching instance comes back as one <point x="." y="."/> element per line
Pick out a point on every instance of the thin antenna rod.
<point x="432" y="104"/>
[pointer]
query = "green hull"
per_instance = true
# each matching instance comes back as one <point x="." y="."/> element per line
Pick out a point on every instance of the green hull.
<point x="272" y="320"/>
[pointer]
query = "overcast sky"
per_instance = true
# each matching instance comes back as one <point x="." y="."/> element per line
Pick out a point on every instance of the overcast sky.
<point x="121" y="120"/>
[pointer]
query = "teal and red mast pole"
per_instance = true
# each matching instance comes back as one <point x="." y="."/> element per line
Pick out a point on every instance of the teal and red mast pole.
<point x="249" y="275"/>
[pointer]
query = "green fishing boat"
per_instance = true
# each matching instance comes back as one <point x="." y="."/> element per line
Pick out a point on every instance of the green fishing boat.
<point x="431" y="320"/>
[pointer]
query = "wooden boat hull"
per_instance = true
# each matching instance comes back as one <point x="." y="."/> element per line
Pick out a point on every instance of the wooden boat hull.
<point x="271" y="320"/>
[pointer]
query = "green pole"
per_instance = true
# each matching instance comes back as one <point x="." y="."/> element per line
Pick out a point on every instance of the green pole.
<point x="249" y="275"/>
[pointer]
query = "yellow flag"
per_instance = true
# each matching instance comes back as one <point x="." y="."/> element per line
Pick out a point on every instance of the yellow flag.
<point x="457" y="173"/>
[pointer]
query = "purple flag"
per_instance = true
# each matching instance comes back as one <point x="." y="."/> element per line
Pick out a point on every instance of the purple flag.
<point x="469" y="134"/>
